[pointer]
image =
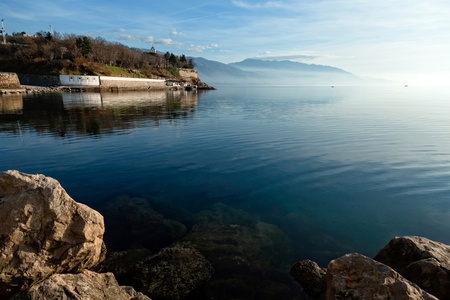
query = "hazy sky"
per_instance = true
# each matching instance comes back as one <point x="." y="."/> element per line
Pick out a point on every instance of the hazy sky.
<point x="408" y="41"/>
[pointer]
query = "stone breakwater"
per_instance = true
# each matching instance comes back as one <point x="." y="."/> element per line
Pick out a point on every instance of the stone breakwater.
<point x="52" y="247"/>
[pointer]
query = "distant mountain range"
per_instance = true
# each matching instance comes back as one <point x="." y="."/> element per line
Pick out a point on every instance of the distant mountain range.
<point x="287" y="65"/>
<point x="275" y="73"/>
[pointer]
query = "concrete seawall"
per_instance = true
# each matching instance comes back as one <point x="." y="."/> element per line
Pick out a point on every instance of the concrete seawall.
<point x="106" y="81"/>
<point x="38" y="80"/>
<point x="111" y="83"/>
<point x="11" y="83"/>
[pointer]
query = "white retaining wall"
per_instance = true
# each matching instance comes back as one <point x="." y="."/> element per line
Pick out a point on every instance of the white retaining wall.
<point x="79" y="80"/>
<point x="131" y="82"/>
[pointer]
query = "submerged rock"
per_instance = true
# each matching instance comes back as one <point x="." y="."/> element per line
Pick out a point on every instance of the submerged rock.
<point x="354" y="276"/>
<point x="84" y="285"/>
<point x="220" y="213"/>
<point x="133" y="223"/>
<point x="259" y="247"/>
<point x="123" y="264"/>
<point x="173" y="273"/>
<point x="420" y="260"/>
<point x="43" y="231"/>
<point x="311" y="277"/>
<point x="243" y="258"/>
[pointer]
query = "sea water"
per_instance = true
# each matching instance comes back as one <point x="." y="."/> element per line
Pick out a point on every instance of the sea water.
<point x="336" y="170"/>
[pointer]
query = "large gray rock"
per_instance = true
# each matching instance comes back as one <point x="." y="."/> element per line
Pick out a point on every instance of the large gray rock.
<point x="354" y="276"/>
<point x="173" y="273"/>
<point x="311" y="277"/>
<point x="85" y="285"/>
<point x="43" y="231"/>
<point x="422" y="261"/>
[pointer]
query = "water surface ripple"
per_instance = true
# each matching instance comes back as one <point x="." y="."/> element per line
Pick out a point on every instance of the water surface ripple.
<point x="337" y="169"/>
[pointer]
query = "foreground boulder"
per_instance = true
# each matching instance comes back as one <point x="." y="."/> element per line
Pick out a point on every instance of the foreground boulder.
<point x="85" y="285"/>
<point x="43" y="231"/>
<point x="355" y="276"/>
<point x="420" y="260"/>
<point x="311" y="277"/>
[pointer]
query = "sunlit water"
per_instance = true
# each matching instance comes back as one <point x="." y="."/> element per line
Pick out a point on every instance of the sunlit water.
<point x="339" y="169"/>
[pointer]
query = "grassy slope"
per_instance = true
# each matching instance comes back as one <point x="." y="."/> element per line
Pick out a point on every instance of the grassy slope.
<point x="80" y="66"/>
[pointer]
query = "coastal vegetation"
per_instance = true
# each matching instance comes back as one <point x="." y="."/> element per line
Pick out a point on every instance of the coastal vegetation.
<point x="54" y="54"/>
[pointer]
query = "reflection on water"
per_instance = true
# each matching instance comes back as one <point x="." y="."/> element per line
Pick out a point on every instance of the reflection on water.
<point x="255" y="178"/>
<point x="11" y="104"/>
<point x="93" y="114"/>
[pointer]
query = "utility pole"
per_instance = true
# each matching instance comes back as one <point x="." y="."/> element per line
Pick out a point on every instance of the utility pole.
<point x="3" y="34"/>
<point x="51" y="29"/>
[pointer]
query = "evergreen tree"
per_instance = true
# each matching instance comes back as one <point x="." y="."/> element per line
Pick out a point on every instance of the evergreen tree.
<point x="173" y="59"/>
<point x="84" y="44"/>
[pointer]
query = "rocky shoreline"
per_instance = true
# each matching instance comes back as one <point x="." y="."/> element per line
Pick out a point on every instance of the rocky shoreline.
<point x="52" y="247"/>
<point x="12" y="83"/>
<point x="33" y="89"/>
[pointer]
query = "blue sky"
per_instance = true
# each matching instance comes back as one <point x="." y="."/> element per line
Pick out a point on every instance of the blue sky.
<point x="408" y="41"/>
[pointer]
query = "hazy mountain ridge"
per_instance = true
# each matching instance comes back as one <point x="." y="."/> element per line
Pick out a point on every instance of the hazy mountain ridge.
<point x="277" y="73"/>
<point x="217" y="72"/>
<point x="251" y="63"/>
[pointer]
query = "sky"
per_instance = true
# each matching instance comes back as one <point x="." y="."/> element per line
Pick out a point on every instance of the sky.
<point x="405" y="41"/>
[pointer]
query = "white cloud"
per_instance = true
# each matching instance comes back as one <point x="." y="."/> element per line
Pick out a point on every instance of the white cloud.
<point x="167" y="42"/>
<point x="226" y="51"/>
<point x="148" y="39"/>
<point x="126" y="37"/>
<point x="196" y="49"/>
<point x="267" y="4"/>
<point x="174" y="32"/>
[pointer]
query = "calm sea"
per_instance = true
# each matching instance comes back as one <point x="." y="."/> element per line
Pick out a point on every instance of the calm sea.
<point x="337" y="170"/>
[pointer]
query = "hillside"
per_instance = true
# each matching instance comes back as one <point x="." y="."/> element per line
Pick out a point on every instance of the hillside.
<point x="56" y="54"/>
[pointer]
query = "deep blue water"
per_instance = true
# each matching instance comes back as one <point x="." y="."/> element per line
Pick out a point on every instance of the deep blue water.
<point x="338" y="170"/>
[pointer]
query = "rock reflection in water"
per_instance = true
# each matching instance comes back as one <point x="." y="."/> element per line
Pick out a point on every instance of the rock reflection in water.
<point x="11" y="104"/>
<point x="11" y="108"/>
<point x="73" y="114"/>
